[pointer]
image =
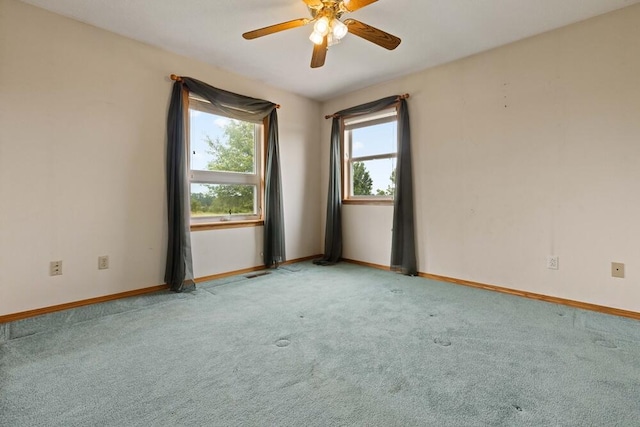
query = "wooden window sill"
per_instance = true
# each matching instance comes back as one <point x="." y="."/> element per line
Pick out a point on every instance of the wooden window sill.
<point x="368" y="202"/>
<point x="226" y="224"/>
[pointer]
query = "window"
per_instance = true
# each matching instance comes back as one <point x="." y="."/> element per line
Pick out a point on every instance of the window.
<point x="370" y="145"/>
<point x="225" y="162"/>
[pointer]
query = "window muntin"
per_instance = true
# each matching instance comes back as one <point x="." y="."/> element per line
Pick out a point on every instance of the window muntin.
<point x="370" y="152"/>
<point x="225" y="165"/>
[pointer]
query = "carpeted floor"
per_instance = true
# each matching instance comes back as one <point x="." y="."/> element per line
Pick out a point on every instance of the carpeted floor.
<point x="322" y="346"/>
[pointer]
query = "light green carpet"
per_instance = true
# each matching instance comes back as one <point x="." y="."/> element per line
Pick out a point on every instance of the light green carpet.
<point x="322" y="346"/>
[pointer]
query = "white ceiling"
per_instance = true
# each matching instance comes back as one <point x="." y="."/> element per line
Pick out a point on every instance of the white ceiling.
<point x="433" y="32"/>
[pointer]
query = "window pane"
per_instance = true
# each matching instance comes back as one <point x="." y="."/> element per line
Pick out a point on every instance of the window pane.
<point x="219" y="199"/>
<point x="221" y="144"/>
<point x="376" y="139"/>
<point x="373" y="177"/>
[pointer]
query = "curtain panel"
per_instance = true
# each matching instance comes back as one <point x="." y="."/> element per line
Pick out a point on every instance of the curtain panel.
<point x="403" y="246"/>
<point x="179" y="266"/>
<point x="273" y="239"/>
<point x="333" y="226"/>
<point x="403" y="256"/>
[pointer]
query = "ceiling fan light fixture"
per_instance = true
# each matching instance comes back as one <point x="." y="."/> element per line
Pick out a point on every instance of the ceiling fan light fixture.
<point x="339" y="29"/>
<point x="322" y="26"/>
<point x="316" y="38"/>
<point x="328" y="27"/>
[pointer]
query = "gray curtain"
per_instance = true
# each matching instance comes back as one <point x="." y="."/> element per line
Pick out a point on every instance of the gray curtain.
<point x="333" y="227"/>
<point x="403" y="247"/>
<point x="274" y="217"/>
<point x="403" y="257"/>
<point x="179" y="269"/>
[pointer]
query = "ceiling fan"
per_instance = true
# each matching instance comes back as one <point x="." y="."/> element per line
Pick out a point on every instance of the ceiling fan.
<point x="329" y="28"/>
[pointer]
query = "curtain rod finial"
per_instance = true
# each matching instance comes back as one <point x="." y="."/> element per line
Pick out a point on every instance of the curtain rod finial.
<point x="176" y="78"/>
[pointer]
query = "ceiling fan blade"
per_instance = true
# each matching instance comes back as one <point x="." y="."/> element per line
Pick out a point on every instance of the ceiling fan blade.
<point x="319" y="54"/>
<point x="313" y="3"/>
<point x="275" y="28"/>
<point x="352" y="5"/>
<point x="372" y="34"/>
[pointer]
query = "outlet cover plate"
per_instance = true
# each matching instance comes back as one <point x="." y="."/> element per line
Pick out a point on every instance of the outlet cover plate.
<point x="553" y="262"/>
<point x="103" y="262"/>
<point x="617" y="270"/>
<point x="55" y="268"/>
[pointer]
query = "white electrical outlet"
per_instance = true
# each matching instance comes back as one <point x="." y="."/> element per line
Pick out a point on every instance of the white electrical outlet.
<point x="55" y="268"/>
<point x="552" y="262"/>
<point x="103" y="262"/>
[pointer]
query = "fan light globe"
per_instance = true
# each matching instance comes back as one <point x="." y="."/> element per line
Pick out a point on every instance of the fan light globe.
<point x="316" y="37"/>
<point x="322" y="26"/>
<point x="339" y="29"/>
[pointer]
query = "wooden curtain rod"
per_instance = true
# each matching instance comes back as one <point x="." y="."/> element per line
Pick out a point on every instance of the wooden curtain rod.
<point x="179" y="79"/>
<point x="335" y="116"/>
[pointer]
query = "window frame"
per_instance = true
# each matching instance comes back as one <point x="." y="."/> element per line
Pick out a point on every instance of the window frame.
<point x="348" y="123"/>
<point x="194" y="102"/>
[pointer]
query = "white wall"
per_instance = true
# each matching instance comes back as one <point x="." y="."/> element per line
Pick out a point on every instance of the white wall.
<point x="521" y="152"/>
<point x="82" y="152"/>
